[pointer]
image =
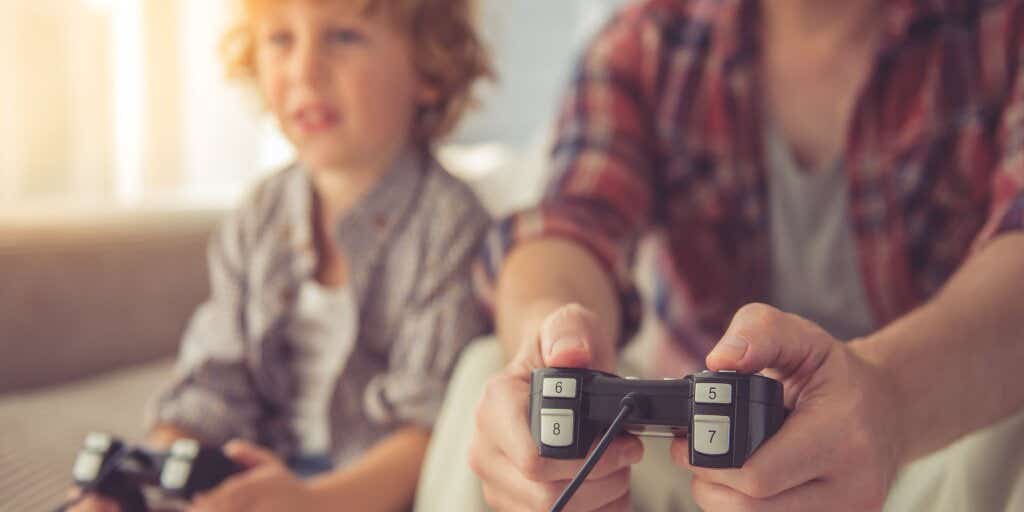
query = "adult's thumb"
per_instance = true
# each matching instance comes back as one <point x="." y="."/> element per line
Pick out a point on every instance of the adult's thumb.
<point x="761" y="337"/>
<point x="567" y="337"/>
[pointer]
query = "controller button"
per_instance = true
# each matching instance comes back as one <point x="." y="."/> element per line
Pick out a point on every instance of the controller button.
<point x="185" y="448"/>
<point x="710" y="434"/>
<point x="556" y="427"/>
<point x="87" y="467"/>
<point x="562" y="387"/>
<point x="98" y="442"/>
<point x="713" y="393"/>
<point x="175" y="474"/>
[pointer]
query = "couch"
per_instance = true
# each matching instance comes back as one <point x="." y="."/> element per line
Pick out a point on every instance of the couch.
<point x="92" y="308"/>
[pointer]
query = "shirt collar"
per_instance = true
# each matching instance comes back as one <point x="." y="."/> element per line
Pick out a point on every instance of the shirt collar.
<point x="738" y="21"/>
<point x="370" y="223"/>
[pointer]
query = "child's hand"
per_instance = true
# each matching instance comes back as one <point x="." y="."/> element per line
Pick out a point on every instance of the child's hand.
<point x="92" y="503"/>
<point x="267" y="485"/>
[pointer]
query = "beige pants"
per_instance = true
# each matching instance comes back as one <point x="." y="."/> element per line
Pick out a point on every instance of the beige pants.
<point x="982" y="472"/>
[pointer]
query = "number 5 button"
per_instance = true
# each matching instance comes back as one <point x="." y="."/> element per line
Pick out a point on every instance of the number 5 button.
<point x="556" y="427"/>
<point x="713" y="393"/>
<point x="710" y="434"/>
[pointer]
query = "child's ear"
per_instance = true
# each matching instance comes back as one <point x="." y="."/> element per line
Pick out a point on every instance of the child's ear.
<point x="429" y="94"/>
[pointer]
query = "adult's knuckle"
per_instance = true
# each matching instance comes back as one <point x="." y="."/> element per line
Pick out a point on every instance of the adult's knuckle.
<point x="489" y="496"/>
<point x="755" y="318"/>
<point x="568" y="315"/>
<point x="531" y="466"/>
<point x="756" y="483"/>
<point x="547" y="494"/>
<point x="475" y="457"/>
<point x="758" y="488"/>
<point x="490" y="397"/>
<point x="869" y="500"/>
<point x="755" y="311"/>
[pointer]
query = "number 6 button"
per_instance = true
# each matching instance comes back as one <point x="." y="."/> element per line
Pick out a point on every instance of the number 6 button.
<point x="563" y="387"/>
<point x="556" y="427"/>
<point x="710" y="434"/>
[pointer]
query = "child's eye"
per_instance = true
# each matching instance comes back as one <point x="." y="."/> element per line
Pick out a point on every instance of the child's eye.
<point x="343" y="36"/>
<point x="279" y="38"/>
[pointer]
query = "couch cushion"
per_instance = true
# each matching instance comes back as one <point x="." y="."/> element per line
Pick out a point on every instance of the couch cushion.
<point x="82" y="296"/>
<point x="43" y="429"/>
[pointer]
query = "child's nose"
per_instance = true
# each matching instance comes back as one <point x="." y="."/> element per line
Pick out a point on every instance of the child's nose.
<point x="308" y="68"/>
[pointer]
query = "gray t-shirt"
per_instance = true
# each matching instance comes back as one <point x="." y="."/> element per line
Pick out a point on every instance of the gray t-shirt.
<point x="815" y="272"/>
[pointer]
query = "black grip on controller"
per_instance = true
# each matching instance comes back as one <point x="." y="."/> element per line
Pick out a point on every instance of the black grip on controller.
<point x="191" y="468"/>
<point x="727" y="415"/>
<point x="107" y="466"/>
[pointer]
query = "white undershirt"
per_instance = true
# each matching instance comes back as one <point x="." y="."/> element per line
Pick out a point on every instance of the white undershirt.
<point x="815" y="269"/>
<point x="322" y="333"/>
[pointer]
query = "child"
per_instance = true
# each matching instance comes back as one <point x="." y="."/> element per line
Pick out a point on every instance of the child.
<point x="341" y="292"/>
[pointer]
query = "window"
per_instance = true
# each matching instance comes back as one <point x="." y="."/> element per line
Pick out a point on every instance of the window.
<point x="123" y="102"/>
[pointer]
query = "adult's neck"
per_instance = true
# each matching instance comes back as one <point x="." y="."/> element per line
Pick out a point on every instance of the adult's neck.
<point x="821" y="25"/>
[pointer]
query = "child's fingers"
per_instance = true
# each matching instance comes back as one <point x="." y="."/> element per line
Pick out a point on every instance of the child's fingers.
<point x="249" y="454"/>
<point x="93" y="503"/>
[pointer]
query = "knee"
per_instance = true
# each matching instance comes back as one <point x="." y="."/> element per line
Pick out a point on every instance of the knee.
<point x="481" y="359"/>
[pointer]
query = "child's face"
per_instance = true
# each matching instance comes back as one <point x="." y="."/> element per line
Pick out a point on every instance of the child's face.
<point x="342" y="85"/>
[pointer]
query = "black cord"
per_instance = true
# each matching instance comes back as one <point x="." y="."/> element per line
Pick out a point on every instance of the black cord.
<point x="628" y="403"/>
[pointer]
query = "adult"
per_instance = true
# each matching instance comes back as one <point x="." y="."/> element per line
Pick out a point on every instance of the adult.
<point x="838" y="191"/>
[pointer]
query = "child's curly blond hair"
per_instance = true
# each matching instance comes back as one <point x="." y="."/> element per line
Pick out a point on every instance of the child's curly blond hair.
<point x="447" y="51"/>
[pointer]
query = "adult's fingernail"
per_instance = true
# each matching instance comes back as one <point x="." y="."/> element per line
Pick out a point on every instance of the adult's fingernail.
<point x="568" y="343"/>
<point x="730" y="347"/>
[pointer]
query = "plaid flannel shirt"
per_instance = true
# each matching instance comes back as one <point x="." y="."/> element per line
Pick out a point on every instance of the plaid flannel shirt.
<point x="661" y="135"/>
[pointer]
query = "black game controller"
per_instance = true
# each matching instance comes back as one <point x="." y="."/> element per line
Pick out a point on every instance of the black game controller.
<point x="726" y="415"/>
<point x="110" y="468"/>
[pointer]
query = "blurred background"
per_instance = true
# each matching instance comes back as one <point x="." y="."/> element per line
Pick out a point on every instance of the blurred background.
<point x="121" y="145"/>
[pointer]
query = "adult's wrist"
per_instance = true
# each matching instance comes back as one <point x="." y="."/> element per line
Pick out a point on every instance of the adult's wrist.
<point x="891" y="402"/>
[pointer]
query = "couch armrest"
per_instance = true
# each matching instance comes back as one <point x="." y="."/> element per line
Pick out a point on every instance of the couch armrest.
<point x="78" y="297"/>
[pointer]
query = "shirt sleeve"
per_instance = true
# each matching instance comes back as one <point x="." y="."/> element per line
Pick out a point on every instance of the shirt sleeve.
<point x="441" y="319"/>
<point x="601" y="193"/>
<point x="1006" y="212"/>
<point x="211" y="394"/>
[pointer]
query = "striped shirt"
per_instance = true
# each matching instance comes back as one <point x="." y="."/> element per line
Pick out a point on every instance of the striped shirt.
<point x="660" y="136"/>
<point x="408" y="244"/>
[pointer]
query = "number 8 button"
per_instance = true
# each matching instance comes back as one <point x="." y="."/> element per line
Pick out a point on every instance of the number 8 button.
<point x="556" y="427"/>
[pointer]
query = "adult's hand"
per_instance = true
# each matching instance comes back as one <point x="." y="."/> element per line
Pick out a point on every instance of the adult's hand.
<point x="839" y="448"/>
<point x="503" y="453"/>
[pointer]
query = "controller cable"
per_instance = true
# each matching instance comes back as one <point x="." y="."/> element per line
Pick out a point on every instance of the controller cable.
<point x="627" y="405"/>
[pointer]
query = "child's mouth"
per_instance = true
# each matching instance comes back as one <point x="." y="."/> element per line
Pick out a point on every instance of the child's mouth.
<point x="315" y="119"/>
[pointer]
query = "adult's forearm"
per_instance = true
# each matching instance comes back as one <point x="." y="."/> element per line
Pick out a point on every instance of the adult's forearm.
<point x="383" y="479"/>
<point x="543" y="275"/>
<point x="954" y="363"/>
